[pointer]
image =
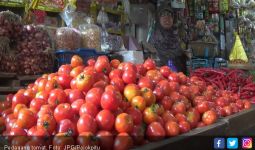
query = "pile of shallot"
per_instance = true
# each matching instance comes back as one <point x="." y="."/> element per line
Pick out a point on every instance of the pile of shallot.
<point x="26" y="49"/>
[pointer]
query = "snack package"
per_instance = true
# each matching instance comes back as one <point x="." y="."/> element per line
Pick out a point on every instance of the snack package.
<point x="238" y="52"/>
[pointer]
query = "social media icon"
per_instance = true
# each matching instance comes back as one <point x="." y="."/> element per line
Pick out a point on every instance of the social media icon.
<point x="219" y="143"/>
<point x="232" y="143"/>
<point x="247" y="143"/>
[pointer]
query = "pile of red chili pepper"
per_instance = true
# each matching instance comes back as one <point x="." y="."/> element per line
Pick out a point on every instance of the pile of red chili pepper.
<point x="234" y="80"/>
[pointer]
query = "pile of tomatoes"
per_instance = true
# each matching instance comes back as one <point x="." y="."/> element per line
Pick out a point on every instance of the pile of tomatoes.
<point x="113" y="105"/>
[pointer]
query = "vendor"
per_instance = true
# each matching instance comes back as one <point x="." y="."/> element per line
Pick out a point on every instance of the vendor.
<point x="165" y="40"/>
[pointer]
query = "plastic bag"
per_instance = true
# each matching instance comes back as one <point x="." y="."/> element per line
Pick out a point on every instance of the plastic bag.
<point x="91" y="35"/>
<point x="68" y="38"/>
<point x="238" y="53"/>
<point x="102" y="17"/>
<point x="68" y="14"/>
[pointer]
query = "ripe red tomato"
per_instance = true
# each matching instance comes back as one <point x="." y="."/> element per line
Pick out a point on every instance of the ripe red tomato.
<point x="64" y="69"/>
<point x="2" y="125"/>
<point x="116" y="73"/>
<point x="155" y="76"/>
<point x="168" y="116"/>
<point x="64" y="81"/>
<point x="103" y="65"/>
<point x="239" y="104"/>
<point x="36" y="104"/>
<point x="19" y="98"/>
<point x="174" y="86"/>
<point x="100" y="84"/>
<point x="148" y="96"/>
<point x="145" y="82"/>
<point x="129" y="76"/>
<point x="136" y="114"/>
<point x="228" y="110"/>
<point x="76" y="105"/>
<point x="184" y="126"/>
<point x="19" y="141"/>
<point x="173" y="77"/>
<point x="180" y="117"/>
<point x="165" y="87"/>
<point x="140" y="69"/>
<point x="200" y="124"/>
<point x="149" y="64"/>
<point x="119" y="83"/>
<point x="115" y="63"/>
<point x="86" y="124"/>
<point x="76" y="61"/>
<point x="155" y="131"/>
<point x="9" y="117"/>
<point x="209" y="117"/>
<point x="106" y="140"/>
<point x="74" y="95"/>
<point x="193" y="117"/>
<point x="63" y="111"/>
<point x="43" y="95"/>
<point x="246" y="104"/>
<point x="234" y="107"/>
<point x="30" y="94"/>
<point x="124" y="123"/>
<point x="165" y="71"/>
<point x="111" y="88"/>
<point x="94" y="96"/>
<point x="130" y="91"/>
<point x="138" y="102"/>
<point x="57" y="96"/>
<point x="182" y="78"/>
<point x="150" y="115"/>
<point x="179" y="107"/>
<point x="167" y="103"/>
<point x="17" y="132"/>
<point x="172" y="128"/>
<point x="198" y="99"/>
<point x="45" y="109"/>
<point x="91" y="62"/>
<point x="47" y="122"/>
<point x="68" y="127"/>
<point x="138" y="134"/>
<point x="221" y="101"/>
<point x="89" y="108"/>
<point x="60" y="141"/>
<point x="41" y="84"/>
<point x="26" y="118"/>
<point x="123" y="142"/>
<point x="16" y="109"/>
<point x="110" y="100"/>
<point x="202" y="106"/>
<point x="84" y="82"/>
<point x="105" y="120"/>
<point x="37" y="132"/>
<point x="87" y="139"/>
<point x="76" y="71"/>
<point x="52" y="84"/>
<point x="194" y="91"/>
<point x="6" y="112"/>
<point x="185" y="91"/>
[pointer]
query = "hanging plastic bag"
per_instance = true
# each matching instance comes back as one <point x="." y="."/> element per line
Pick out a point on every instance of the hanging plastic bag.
<point x="102" y="17"/>
<point x="68" y="13"/>
<point x="238" y="53"/>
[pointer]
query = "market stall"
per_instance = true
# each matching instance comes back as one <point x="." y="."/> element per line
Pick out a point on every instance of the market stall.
<point x="90" y="73"/>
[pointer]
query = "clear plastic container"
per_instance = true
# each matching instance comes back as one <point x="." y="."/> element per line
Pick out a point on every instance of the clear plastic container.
<point x="91" y="35"/>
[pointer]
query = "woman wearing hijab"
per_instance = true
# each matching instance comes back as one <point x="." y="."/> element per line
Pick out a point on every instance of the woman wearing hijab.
<point x="165" y="40"/>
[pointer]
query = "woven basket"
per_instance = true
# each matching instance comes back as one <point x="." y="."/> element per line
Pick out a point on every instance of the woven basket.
<point x="203" y="49"/>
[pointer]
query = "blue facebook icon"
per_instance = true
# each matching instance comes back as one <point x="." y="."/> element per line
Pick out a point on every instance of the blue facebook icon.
<point x="219" y="143"/>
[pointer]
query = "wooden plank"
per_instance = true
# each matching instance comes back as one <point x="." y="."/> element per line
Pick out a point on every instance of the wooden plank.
<point x="28" y="78"/>
<point x="4" y="75"/>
